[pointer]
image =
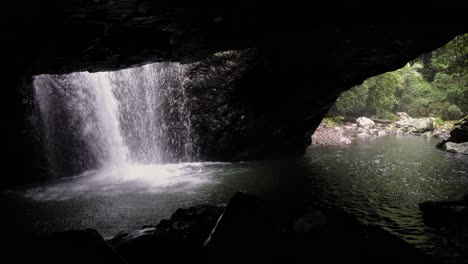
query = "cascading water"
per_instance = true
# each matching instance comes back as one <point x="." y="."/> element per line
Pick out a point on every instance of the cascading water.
<point x="115" y="121"/>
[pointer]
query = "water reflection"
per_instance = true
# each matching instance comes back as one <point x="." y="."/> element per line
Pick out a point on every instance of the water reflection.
<point x="383" y="180"/>
<point x="380" y="181"/>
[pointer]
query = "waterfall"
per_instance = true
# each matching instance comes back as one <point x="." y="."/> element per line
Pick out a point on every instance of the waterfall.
<point x="113" y="120"/>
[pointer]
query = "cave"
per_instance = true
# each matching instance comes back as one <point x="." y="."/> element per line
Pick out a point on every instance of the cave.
<point x="239" y="82"/>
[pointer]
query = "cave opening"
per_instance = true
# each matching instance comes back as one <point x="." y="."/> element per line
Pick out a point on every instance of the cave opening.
<point x="133" y="137"/>
<point x="400" y="138"/>
<point x="203" y="154"/>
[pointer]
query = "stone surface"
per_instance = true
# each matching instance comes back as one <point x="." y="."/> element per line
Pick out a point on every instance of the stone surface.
<point x="248" y="231"/>
<point x="179" y="238"/>
<point x="325" y="135"/>
<point x="381" y="133"/>
<point x="365" y="122"/>
<point x="450" y="218"/>
<point x="363" y="135"/>
<point x="459" y="132"/>
<point x="414" y="125"/>
<point x="453" y="213"/>
<point x="303" y="61"/>
<point x="461" y="148"/>
<point x="458" y="140"/>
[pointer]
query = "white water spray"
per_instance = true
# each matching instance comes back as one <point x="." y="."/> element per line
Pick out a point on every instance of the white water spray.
<point x="115" y="122"/>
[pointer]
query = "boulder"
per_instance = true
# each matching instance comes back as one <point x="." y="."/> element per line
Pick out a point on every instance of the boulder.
<point x="325" y="135"/>
<point x="440" y="133"/>
<point x="243" y="232"/>
<point x="461" y="148"/>
<point x="449" y="214"/>
<point x="449" y="219"/>
<point x="179" y="238"/>
<point x="381" y="133"/>
<point x="414" y="125"/>
<point x="365" y="122"/>
<point x="330" y="235"/>
<point x="249" y="231"/>
<point x="458" y="140"/>
<point x="459" y="132"/>
<point x="345" y="140"/>
<point x="421" y="125"/>
<point x="363" y="135"/>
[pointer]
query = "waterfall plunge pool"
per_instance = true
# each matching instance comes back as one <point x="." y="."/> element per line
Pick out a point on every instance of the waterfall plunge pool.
<point x="126" y="137"/>
<point x="380" y="181"/>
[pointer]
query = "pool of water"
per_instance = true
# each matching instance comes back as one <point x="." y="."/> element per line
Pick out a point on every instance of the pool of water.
<point x="381" y="181"/>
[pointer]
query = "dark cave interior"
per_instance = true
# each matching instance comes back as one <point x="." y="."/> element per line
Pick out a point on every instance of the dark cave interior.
<point x="263" y="101"/>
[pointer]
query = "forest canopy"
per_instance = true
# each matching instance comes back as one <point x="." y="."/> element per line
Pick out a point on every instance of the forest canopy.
<point x="435" y="84"/>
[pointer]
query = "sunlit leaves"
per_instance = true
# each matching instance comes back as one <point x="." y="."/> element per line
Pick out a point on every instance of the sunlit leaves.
<point x="435" y="84"/>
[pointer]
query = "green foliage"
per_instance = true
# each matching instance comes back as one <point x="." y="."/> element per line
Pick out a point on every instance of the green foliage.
<point x="439" y="122"/>
<point x="435" y="84"/>
<point x="333" y="121"/>
<point x="339" y="119"/>
<point x="352" y="101"/>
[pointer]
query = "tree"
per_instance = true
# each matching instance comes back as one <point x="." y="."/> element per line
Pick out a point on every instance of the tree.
<point x="435" y="84"/>
<point x="353" y="101"/>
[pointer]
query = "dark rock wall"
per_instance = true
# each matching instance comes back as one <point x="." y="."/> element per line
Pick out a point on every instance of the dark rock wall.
<point x="21" y="158"/>
<point x="304" y="57"/>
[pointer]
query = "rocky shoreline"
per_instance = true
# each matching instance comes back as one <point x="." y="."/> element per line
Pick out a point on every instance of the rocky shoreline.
<point x="454" y="137"/>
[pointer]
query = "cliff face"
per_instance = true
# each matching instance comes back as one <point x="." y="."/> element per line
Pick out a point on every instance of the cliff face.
<point x="262" y="102"/>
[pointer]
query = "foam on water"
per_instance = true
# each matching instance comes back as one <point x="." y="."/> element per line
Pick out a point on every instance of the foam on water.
<point x="138" y="178"/>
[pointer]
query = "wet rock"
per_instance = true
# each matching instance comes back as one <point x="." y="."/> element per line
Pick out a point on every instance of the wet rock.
<point x="423" y="124"/>
<point x="179" y="238"/>
<point x="458" y="140"/>
<point x="345" y="140"/>
<point x="363" y="135"/>
<point x="440" y="133"/>
<point x="73" y="246"/>
<point x="461" y="148"/>
<point x="325" y="135"/>
<point x="243" y="232"/>
<point x="414" y="125"/>
<point x="373" y="131"/>
<point x="452" y="213"/>
<point x="459" y="132"/>
<point x="247" y="231"/>
<point x="365" y="122"/>
<point x="323" y="234"/>
<point x="381" y="133"/>
<point x="450" y="220"/>
<point x="362" y="130"/>
<point x="350" y="127"/>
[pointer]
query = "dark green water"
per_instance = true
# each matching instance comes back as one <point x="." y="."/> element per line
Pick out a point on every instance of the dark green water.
<point x="381" y="181"/>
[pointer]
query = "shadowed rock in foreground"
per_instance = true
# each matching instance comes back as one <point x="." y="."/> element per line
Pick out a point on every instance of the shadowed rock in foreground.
<point x="449" y="218"/>
<point x="247" y="229"/>
<point x="178" y="239"/>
